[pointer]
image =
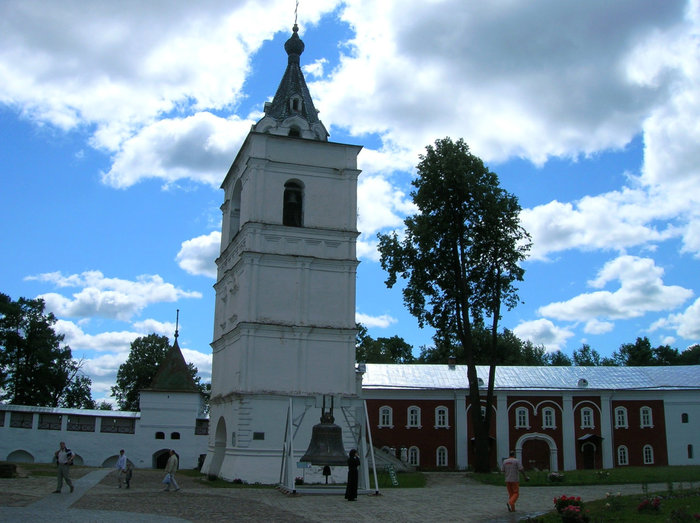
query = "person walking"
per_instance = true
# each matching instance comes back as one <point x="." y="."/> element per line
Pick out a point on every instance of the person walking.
<point x="121" y="468"/>
<point x="353" y="465"/>
<point x="64" y="459"/>
<point x="512" y="469"/>
<point x="170" y="469"/>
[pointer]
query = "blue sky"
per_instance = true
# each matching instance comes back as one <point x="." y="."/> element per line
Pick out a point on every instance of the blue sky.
<point x="119" y="122"/>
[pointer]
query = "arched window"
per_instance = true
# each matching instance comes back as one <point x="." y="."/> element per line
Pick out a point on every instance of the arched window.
<point x="292" y="212"/>
<point x="621" y="418"/>
<point x="175" y="435"/>
<point x="414" y="456"/>
<point x="386" y="417"/>
<point x="160" y="435"/>
<point x="645" y="417"/>
<point x="441" y="457"/>
<point x="587" y="418"/>
<point x="441" y="417"/>
<point x="522" y="418"/>
<point x="684" y="417"/>
<point x="648" y="453"/>
<point x="622" y="458"/>
<point x="548" y="418"/>
<point x="413" y="417"/>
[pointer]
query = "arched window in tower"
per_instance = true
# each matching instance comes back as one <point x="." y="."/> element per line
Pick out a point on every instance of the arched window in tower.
<point x="293" y="204"/>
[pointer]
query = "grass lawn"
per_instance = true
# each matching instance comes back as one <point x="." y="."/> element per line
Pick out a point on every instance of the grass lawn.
<point x="405" y="479"/>
<point x="616" y="476"/>
<point x="677" y="506"/>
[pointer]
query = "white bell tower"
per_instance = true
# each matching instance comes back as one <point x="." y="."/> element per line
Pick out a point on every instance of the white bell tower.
<point x="285" y="294"/>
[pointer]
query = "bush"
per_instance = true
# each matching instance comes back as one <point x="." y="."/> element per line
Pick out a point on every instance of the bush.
<point x="650" y="505"/>
<point x="555" y="477"/>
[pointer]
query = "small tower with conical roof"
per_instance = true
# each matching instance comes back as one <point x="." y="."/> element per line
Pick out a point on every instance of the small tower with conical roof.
<point x="285" y="293"/>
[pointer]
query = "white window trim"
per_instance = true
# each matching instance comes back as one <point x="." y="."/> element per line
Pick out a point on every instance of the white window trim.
<point x="408" y="418"/>
<point x="589" y="410"/>
<point x="643" y="425"/>
<point x="644" y="454"/>
<point x="619" y="425"/>
<point x="554" y="418"/>
<point x="446" y="425"/>
<point x="627" y="456"/>
<point x="519" y="425"/>
<point x="415" y="450"/>
<point x="391" y="417"/>
<point x="437" y="457"/>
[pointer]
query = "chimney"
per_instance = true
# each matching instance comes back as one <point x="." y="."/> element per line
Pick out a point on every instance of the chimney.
<point x="451" y="362"/>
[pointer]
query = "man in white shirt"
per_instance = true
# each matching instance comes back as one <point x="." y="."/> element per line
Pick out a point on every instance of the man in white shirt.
<point x="121" y="467"/>
<point x="64" y="459"/>
<point x="513" y="468"/>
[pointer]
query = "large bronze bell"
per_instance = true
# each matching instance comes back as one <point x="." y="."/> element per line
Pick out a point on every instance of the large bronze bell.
<point x="326" y="445"/>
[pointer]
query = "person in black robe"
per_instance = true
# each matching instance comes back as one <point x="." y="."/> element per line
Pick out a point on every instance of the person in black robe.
<point x="353" y="465"/>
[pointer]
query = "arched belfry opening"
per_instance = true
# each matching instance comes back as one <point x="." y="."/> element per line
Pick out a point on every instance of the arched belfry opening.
<point x="292" y="212"/>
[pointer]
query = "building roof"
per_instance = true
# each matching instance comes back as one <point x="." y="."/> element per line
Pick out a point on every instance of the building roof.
<point x="427" y="377"/>
<point x="173" y="374"/>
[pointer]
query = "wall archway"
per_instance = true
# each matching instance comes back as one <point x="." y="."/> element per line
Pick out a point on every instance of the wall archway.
<point x="219" y="447"/>
<point x="20" y="456"/>
<point x="551" y="444"/>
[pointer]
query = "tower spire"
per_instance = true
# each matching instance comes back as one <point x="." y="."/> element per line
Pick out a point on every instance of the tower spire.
<point x="177" y="322"/>
<point x="292" y="111"/>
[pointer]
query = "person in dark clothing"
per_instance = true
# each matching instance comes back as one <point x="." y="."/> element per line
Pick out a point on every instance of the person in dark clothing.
<point x="353" y="465"/>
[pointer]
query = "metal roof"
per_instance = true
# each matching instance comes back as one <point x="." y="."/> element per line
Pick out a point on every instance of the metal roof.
<point x="421" y="377"/>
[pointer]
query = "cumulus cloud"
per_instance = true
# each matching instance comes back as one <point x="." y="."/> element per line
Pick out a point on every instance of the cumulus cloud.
<point x="199" y="148"/>
<point x="686" y="324"/>
<point x="543" y="332"/>
<point x="126" y="64"/>
<point x="381" y="321"/>
<point x="196" y="256"/>
<point x="641" y="289"/>
<point x="108" y="297"/>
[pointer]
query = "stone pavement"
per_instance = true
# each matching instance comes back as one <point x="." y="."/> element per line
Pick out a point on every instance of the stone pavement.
<point x="447" y="497"/>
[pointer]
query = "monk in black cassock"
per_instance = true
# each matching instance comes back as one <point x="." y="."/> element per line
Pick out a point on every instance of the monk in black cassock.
<point x="353" y="465"/>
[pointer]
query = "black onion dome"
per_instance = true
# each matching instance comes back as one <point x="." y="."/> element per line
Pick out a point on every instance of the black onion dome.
<point x="294" y="46"/>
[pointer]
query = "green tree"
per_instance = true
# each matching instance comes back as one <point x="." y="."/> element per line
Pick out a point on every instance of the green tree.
<point x="460" y="258"/>
<point x="139" y="369"/>
<point x="78" y="394"/>
<point x="690" y="356"/>
<point x="381" y="350"/>
<point x="104" y="405"/>
<point x="586" y="357"/>
<point x="665" y="355"/>
<point x="559" y="359"/>
<point x="35" y="367"/>
<point x="637" y="354"/>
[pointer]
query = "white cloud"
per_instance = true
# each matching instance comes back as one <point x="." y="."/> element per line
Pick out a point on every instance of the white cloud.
<point x="381" y="321"/>
<point x="686" y="324"/>
<point x="595" y="326"/>
<point x="543" y="332"/>
<point x="108" y="297"/>
<point x="196" y="256"/>
<point x="641" y="290"/>
<point x="199" y="147"/>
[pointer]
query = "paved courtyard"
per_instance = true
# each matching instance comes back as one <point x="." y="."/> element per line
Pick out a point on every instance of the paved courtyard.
<point x="447" y="497"/>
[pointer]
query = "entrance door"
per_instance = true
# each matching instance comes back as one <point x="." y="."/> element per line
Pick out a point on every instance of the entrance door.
<point x="535" y="454"/>
<point x="588" y="450"/>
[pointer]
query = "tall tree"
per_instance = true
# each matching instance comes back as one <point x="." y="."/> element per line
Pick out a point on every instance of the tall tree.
<point x="586" y="357"/>
<point x="139" y="369"/>
<point x="35" y="367"/>
<point x="558" y="358"/>
<point x="637" y="354"/>
<point x="690" y="356"/>
<point x="381" y="350"/>
<point x="460" y="258"/>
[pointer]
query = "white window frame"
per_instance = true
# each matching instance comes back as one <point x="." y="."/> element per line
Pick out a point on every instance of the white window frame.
<point x="551" y="423"/>
<point x="388" y="420"/>
<point x="413" y="415"/>
<point x="441" y="457"/>
<point x="648" y="454"/>
<point x="622" y="456"/>
<point x="442" y="418"/>
<point x="522" y="418"/>
<point x="413" y="455"/>
<point x="621" y="418"/>
<point x="646" y="418"/>
<point x="587" y="418"/>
